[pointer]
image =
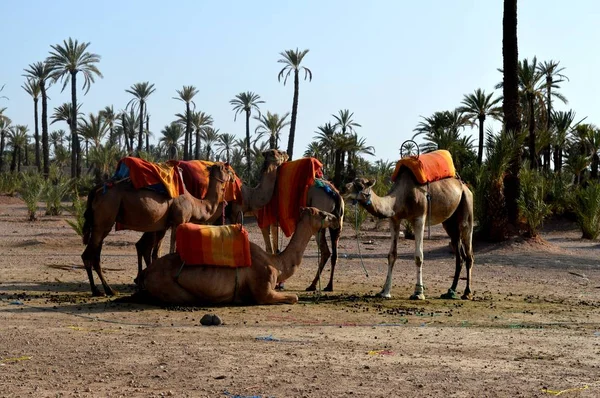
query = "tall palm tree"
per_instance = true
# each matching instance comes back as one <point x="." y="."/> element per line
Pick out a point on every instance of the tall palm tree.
<point x="271" y="124"/>
<point x="171" y="137"/>
<point x="345" y="123"/>
<point x="186" y="95"/>
<point x="326" y="138"/>
<point x="32" y="87"/>
<point x="200" y="121"/>
<point x="141" y="92"/>
<point x="210" y="136"/>
<point x="94" y="128"/>
<point x="42" y="72"/>
<point x="56" y="139"/>
<point x="246" y="102"/>
<point x="66" y="61"/>
<point x="18" y="140"/>
<point x="478" y="106"/>
<point x="225" y="145"/>
<point x="510" y="104"/>
<point x="4" y="131"/>
<point x="110" y="118"/>
<point x="292" y="60"/>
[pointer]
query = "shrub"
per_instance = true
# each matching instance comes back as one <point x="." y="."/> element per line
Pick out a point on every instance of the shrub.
<point x="31" y="190"/>
<point x="356" y="216"/>
<point x="54" y="192"/>
<point x="587" y="208"/>
<point x="77" y="210"/>
<point x="9" y="183"/>
<point x="531" y="199"/>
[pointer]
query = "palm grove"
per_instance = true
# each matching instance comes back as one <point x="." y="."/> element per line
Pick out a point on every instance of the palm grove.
<point x="544" y="162"/>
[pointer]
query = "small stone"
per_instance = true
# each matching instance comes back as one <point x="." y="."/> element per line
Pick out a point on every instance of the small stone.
<point x="206" y="320"/>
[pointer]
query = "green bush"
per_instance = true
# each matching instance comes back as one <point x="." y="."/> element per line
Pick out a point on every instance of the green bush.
<point x="531" y="199"/>
<point x="9" y="183"/>
<point x="587" y="208"/>
<point x="31" y="191"/>
<point x="54" y="193"/>
<point x="356" y="216"/>
<point x="77" y="210"/>
<point x="85" y="183"/>
<point x="560" y="193"/>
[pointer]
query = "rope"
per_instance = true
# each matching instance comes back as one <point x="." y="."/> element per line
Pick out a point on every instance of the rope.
<point x="318" y="296"/>
<point x="428" y="196"/>
<point x="357" y="241"/>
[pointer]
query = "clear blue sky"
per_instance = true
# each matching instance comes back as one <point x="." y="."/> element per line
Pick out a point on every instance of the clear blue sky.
<point x="389" y="62"/>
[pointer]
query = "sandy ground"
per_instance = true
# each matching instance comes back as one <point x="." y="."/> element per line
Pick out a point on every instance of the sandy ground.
<point x="533" y="328"/>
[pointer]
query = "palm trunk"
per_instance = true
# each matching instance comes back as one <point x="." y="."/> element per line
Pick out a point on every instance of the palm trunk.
<point x="188" y="133"/>
<point x="290" y="148"/>
<point x="510" y="105"/>
<point x="125" y="134"/>
<point x="26" y="163"/>
<point x="140" y="134"/>
<point x="45" y="149"/>
<point x="75" y="148"/>
<point x="147" y="133"/>
<point x="38" y="164"/>
<point x="1" y="151"/>
<point x="248" y="144"/>
<point x="13" y="162"/>
<point x="87" y="143"/>
<point x="337" y="172"/>
<point x="197" y="148"/>
<point x="19" y="159"/>
<point x="532" y="153"/>
<point x="547" y="150"/>
<point x="480" y="149"/>
<point x="594" y="167"/>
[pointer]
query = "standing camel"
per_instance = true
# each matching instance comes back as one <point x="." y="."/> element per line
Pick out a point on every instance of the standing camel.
<point x="142" y="210"/>
<point x="148" y="247"/>
<point x="332" y="203"/>
<point x="451" y="204"/>
<point x="169" y="282"/>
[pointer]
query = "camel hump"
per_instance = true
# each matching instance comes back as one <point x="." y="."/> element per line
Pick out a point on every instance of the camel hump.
<point x="146" y="174"/>
<point x="226" y="245"/>
<point x="428" y="167"/>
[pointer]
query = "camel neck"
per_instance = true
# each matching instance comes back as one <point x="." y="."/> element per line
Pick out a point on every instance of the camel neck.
<point x="255" y="198"/>
<point x="288" y="260"/>
<point x="205" y="208"/>
<point x="379" y="206"/>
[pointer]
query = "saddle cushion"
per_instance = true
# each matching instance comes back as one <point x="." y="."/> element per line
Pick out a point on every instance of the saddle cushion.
<point x="196" y="173"/>
<point x="226" y="245"/>
<point x="293" y="181"/>
<point x="428" y="167"/>
<point x="145" y="174"/>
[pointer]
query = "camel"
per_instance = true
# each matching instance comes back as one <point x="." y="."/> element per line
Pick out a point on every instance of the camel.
<point x="318" y="198"/>
<point x="451" y="205"/>
<point x="142" y="210"/>
<point x="167" y="281"/>
<point x="148" y="247"/>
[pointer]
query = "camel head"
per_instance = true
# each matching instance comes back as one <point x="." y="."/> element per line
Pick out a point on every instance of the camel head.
<point x="220" y="172"/>
<point x="319" y="219"/>
<point x="359" y="190"/>
<point x="273" y="159"/>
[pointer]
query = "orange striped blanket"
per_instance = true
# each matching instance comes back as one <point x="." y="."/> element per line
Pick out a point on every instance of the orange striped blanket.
<point x="196" y="174"/>
<point x="226" y="245"/>
<point x="293" y="181"/>
<point x="428" y="167"/>
<point x="143" y="174"/>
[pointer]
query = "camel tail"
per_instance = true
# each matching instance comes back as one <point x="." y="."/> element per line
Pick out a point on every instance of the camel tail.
<point x="88" y="217"/>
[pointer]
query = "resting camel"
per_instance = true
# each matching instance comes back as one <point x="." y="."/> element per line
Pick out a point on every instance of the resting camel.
<point x="168" y="282"/>
<point x="142" y="210"/>
<point x="318" y="198"/>
<point x="451" y="204"/>
<point x="148" y="247"/>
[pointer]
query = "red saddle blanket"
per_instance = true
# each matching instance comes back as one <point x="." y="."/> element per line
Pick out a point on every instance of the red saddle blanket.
<point x="293" y="181"/>
<point x="143" y="174"/>
<point x="196" y="174"/>
<point x="428" y="167"/>
<point x="226" y="245"/>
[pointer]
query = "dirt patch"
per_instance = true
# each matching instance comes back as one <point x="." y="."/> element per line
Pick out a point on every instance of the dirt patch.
<point x="532" y="329"/>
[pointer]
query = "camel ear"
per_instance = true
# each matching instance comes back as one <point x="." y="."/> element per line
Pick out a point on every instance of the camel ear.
<point x="371" y="182"/>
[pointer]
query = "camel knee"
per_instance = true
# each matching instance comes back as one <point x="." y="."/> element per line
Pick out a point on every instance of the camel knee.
<point x="418" y="261"/>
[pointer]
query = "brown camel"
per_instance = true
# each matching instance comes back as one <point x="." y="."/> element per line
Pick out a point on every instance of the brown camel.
<point x="148" y="247"/>
<point x="142" y="210"/>
<point x="332" y="203"/>
<point x="451" y="204"/>
<point x="168" y="282"/>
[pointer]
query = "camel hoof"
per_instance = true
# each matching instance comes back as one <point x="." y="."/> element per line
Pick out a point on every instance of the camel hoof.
<point x="311" y="288"/>
<point x="467" y="296"/>
<point x="416" y="296"/>
<point x="111" y="292"/>
<point x="280" y="286"/>
<point x="384" y="295"/>
<point x="328" y="289"/>
<point x="450" y="295"/>
<point x="97" y="293"/>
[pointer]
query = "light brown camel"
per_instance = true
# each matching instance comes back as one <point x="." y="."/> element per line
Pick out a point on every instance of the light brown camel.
<point x="142" y="210"/>
<point x="333" y="203"/>
<point x="148" y="247"/>
<point x="167" y="281"/>
<point x="451" y="204"/>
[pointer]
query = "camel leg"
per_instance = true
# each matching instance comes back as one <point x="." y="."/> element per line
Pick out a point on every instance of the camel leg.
<point x="172" y="248"/>
<point x="158" y="238"/>
<point x="392" y="255"/>
<point x="467" y="243"/>
<point x="265" y="294"/>
<point x="266" y="233"/>
<point x="98" y="268"/>
<point x="419" y="227"/>
<point x="325" y="254"/>
<point x="457" y="249"/>
<point x="91" y="259"/>
<point x="143" y="248"/>
<point x="335" y="238"/>
<point x="88" y="257"/>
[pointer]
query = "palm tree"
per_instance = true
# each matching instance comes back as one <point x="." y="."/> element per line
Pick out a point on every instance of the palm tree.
<point x="246" y="102"/>
<point x="271" y="124"/>
<point x="56" y="139"/>
<point x="94" y="128"/>
<point x="200" y="121"/>
<point x="562" y="123"/>
<point x="478" y="106"/>
<point x="17" y="139"/>
<point x="171" y="137"/>
<point x="326" y="138"/>
<point x="103" y="159"/>
<point x="41" y="72"/>
<point x="110" y="118"/>
<point x="4" y="131"/>
<point x="343" y="141"/>
<point x="510" y="104"/>
<point x="225" y="144"/>
<point x="292" y="60"/>
<point x="186" y="94"/>
<point x="141" y="92"/>
<point x="210" y="136"/>
<point x="66" y="61"/>
<point x="32" y="88"/>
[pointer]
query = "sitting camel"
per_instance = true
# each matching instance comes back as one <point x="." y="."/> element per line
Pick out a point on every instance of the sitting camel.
<point x="169" y="282"/>
<point x="142" y="210"/>
<point x="451" y="204"/>
<point x="148" y="247"/>
<point x="333" y="203"/>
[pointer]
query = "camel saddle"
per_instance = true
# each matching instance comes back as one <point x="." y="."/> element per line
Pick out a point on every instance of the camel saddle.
<point x="144" y="174"/>
<point x="226" y="245"/>
<point x="428" y="167"/>
<point x="196" y="174"/>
